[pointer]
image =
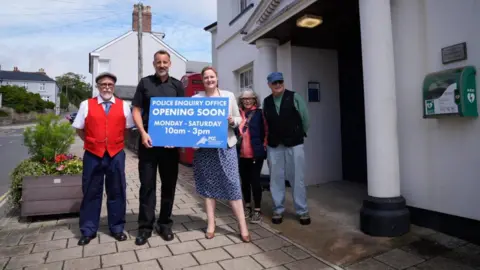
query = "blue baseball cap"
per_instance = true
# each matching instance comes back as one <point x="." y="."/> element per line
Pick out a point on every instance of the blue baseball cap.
<point x="275" y="76"/>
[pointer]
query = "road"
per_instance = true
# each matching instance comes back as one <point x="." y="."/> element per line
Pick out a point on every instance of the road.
<point x="12" y="152"/>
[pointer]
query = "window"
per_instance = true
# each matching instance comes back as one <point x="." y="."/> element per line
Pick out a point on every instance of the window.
<point x="46" y="98"/>
<point x="244" y="4"/>
<point x="246" y="79"/>
<point x="25" y="84"/>
<point x="240" y="7"/>
<point x="42" y="87"/>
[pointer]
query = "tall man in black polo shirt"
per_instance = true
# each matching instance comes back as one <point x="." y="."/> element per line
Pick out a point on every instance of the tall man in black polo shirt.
<point x="150" y="158"/>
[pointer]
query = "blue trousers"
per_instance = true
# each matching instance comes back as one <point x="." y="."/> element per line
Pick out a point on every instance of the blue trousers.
<point x="290" y="162"/>
<point x="95" y="170"/>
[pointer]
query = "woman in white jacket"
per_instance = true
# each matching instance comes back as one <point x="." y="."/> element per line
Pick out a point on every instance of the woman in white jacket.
<point x="216" y="170"/>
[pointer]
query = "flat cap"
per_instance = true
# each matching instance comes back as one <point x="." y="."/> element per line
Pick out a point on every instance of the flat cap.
<point x="106" y="74"/>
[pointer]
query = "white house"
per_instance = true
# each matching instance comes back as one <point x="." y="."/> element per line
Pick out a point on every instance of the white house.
<point x="370" y="59"/>
<point x="34" y="82"/>
<point x="120" y="56"/>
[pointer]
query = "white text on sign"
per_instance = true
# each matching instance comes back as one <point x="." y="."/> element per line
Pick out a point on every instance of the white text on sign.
<point x="188" y="112"/>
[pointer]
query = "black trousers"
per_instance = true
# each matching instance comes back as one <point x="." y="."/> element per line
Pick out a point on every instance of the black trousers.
<point x="165" y="160"/>
<point x="250" y="170"/>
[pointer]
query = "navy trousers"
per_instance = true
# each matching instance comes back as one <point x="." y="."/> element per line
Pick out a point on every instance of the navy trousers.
<point x="95" y="170"/>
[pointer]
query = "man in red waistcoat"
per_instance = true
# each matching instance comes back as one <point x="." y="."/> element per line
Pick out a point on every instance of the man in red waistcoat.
<point x="101" y="122"/>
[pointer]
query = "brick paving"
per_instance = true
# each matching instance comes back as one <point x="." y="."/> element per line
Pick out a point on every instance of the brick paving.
<point x="52" y="243"/>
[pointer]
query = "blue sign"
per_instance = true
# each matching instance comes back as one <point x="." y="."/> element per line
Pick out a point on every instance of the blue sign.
<point x="189" y="122"/>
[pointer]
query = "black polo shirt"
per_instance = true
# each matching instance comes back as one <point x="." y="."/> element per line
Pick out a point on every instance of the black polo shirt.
<point x="152" y="86"/>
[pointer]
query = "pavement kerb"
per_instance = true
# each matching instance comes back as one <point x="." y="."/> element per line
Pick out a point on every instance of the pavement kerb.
<point x="275" y="232"/>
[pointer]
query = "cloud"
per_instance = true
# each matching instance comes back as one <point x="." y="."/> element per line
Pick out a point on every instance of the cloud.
<point x="57" y="35"/>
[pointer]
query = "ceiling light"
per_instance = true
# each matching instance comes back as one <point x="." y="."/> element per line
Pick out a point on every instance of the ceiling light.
<point x="309" y="21"/>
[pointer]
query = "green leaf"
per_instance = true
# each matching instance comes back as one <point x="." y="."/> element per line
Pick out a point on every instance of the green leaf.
<point x="49" y="138"/>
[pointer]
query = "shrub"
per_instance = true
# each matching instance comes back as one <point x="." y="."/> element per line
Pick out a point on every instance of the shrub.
<point x="49" y="138"/>
<point x="25" y="168"/>
<point x="22" y="101"/>
<point x="48" y="144"/>
<point x="49" y="105"/>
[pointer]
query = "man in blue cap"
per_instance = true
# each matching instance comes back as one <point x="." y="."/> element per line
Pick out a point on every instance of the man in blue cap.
<point x="287" y="119"/>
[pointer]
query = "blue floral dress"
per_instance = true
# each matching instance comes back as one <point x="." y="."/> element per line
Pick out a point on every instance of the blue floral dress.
<point x="216" y="173"/>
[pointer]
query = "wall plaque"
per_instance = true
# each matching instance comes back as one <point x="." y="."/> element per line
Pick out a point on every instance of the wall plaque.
<point x="454" y="53"/>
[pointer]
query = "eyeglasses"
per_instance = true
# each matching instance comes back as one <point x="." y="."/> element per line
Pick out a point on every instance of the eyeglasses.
<point x="105" y="85"/>
<point x="277" y="82"/>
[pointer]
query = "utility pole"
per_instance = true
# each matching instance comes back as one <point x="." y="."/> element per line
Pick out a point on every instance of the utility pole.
<point x="140" y="45"/>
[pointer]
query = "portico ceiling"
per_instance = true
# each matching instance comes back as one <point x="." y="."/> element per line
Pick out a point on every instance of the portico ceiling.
<point x="339" y="18"/>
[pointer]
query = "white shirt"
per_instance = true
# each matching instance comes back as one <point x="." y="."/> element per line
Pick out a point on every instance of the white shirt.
<point x="233" y="111"/>
<point x="79" y="122"/>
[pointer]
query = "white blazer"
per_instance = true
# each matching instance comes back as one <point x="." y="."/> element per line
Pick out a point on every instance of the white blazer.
<point x="233" y="111"/>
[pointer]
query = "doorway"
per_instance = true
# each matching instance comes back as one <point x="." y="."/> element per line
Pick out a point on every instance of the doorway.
<point x="339" y="31"/>
<point x="352" y="106"/>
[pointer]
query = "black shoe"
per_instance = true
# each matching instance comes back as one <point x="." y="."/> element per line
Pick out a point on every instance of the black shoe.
<point x="277" y="218"/>
<point x="119" y="236"/>
<point x="142" y="238"/>
<point x="304" y="219"/>
<point x="164" y="232"/>
<point x="85" y="240"/>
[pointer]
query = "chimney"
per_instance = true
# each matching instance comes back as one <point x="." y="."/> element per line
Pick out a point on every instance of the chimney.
<point x="15" y="69"/>
<point x="42" y="71"/>
<point x="146" y="18"/>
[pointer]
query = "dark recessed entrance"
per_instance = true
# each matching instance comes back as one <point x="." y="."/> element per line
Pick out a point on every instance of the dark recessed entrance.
<point x="339" y="31"/>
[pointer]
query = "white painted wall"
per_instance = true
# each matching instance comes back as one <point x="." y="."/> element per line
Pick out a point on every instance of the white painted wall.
<point x="323" y="146"/>
<point x="284" y="65"/>
<point x="232" y="56"/>
<point x="227" y="10"/>
<point x="123" y="59"/>
<point x="439" y="159"/>
<point x="214" y="46"/>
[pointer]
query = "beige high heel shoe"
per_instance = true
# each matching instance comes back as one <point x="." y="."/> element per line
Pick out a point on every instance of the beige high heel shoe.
<point x="245" y="238"/>
<point x="210" y="235"/>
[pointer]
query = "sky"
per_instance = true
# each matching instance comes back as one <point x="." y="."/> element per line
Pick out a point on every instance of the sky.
<point x="57" y="35"/>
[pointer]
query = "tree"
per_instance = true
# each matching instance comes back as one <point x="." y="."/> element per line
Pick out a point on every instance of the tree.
<point x="22" y="101"/>
<point x="63" y="101"/>
<point x="74" y="87"/>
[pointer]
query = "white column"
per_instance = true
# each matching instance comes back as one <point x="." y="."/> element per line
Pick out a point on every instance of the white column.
<point x="380" y="99"/>
<point x="265" y="63"/>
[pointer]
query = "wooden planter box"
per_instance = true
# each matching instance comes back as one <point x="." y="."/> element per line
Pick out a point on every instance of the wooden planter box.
<point x="51" y="194"/>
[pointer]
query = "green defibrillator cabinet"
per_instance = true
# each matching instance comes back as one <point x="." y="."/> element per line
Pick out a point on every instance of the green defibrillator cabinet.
<point x="450" y="92"/>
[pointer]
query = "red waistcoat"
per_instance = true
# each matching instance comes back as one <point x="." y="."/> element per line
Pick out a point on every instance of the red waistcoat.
<point x="104" y="132"/>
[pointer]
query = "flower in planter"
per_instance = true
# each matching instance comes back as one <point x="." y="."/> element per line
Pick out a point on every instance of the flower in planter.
<point x="48" y="144"/>
<point x="61" y="157"/>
